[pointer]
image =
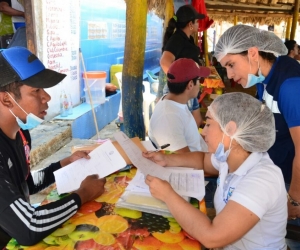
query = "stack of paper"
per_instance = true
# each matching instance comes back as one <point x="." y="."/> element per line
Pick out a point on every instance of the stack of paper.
<point x="185" y="181"/>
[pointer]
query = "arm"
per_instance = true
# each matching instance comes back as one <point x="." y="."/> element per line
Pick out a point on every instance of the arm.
<point x="166" y="60"/>
<point x="41" y="179"/>
<point x="223" y="230"/>
<point x="6" y="9"/>
<point x="294" y="191"/>
<point x="29" y="225"/>
<point x="189" y="160"/>
<point x="288" y="103"/>
<point x="197" y="116"/>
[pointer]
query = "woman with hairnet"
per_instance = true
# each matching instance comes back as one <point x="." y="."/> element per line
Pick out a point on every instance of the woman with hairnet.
<point x="250" y="199"/>
<point x="252" y="56"/>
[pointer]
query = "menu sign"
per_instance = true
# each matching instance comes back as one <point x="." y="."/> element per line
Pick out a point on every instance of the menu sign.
<point x="58" y="45"/>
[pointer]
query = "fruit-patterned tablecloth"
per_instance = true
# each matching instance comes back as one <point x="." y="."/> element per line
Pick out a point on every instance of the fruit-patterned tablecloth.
<point x="100" y="225"/>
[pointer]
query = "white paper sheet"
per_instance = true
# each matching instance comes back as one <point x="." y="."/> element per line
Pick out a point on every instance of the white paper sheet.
<point x="105" y="160"/>
<point x="185" y="181"/>
<point x="135" y="155"/>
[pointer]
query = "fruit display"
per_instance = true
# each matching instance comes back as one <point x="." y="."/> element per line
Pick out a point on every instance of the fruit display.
<point x="99" y="225"/>
<point x="213" y="80"/>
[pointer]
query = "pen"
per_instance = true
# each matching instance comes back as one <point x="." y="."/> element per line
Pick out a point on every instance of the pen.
<point x="160" y="148"/>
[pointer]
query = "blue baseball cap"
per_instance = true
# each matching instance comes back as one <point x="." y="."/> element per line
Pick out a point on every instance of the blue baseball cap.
<point x="18" y="64"/>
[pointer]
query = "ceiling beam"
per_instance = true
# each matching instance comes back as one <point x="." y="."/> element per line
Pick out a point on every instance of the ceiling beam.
<point x="249" y="8"/>
<point x="220" y="13"/>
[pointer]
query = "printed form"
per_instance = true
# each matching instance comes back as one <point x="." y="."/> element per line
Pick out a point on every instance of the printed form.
<point x="104" y="160"/>
<point x="185" y="181"/>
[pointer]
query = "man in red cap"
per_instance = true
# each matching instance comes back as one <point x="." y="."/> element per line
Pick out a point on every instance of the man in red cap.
<point x="172" y="122"/>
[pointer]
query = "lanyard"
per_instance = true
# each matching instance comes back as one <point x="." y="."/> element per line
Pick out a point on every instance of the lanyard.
<point x="27" y="151"/>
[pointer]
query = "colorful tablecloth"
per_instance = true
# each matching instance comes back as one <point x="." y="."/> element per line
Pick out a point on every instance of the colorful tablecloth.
<point x="100" y="225"/>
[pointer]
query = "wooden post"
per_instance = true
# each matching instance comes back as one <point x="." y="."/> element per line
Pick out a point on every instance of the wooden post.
<point x="30" y="29"/>
<point x="295" y="20"/>
<point x="132" y="77"/>
<point x="205" y="48"/>
<point x="235" y="21"/>
<point x="288" y="28"/>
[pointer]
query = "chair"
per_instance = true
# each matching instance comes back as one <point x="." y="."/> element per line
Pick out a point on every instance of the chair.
<point x="153" y="80"/>
<point x="119" y="79"/>
<point x="148" y="101"/>
<point x="19" y="38"/>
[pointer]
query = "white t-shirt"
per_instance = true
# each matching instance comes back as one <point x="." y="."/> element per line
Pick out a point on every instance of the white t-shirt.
<point x="173" y="123"/>
<point x="258" y="185"/>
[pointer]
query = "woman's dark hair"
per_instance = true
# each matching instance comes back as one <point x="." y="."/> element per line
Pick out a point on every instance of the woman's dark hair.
<point x="13" y="88"/>
<point x="178" y="88"/>
<point x="172" y="25"/>
<point x="270" y="57"/>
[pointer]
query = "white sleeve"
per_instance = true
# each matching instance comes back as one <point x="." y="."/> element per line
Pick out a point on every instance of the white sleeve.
<point x="259" y="190"/>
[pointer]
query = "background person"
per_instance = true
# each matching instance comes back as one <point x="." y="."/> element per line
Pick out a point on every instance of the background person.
<point x="23" y="105"/>
<point x="181" y="44"/>
<point x="251" y="56"/>
<point x="12" y="16"/>
<point x="250" y="199"/>
<point x="171" y="121"/>
<point x="292" y="47"/>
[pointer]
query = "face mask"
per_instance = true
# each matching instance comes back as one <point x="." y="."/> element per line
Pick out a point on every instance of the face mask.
<point x="253" y="79"/>
<point x="220" y="155"/>
<point x="32" y="120"/>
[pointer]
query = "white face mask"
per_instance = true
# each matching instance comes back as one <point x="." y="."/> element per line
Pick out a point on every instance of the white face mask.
<point x="32" y="120"/>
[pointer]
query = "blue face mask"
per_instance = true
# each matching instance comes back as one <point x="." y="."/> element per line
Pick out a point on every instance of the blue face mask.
<point x="32" y="120"/>
<point x="220" y="153"/>
<point x="253" y="79"/>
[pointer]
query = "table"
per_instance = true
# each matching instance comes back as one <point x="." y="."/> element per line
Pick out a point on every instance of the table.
<point x="213" y="83"/>
<point x="99" y="225"/>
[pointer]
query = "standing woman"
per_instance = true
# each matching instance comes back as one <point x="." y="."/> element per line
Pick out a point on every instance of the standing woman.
<point x="180" y="44"/>
<point x="252" y="56"/>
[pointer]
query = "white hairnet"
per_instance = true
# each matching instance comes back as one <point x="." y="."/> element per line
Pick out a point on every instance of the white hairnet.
<point x="240" y="38"/>
<point x="255" y="125"/>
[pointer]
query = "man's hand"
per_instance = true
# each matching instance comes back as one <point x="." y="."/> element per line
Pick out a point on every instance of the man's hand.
<point x="159" y="189"/>
<point x="91" y="188"/>
<point x="74" y="157"/>
<point x="158" y="158"/>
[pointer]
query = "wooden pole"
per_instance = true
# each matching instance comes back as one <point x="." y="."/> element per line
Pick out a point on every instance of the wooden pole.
<point x="235" y="21"/>
<point x="288" y="28"/>
<point x="30" y="27"/>
<point x="132" y="77"/>
<point x="295" y="20"/>
<point x="205" y="48"/>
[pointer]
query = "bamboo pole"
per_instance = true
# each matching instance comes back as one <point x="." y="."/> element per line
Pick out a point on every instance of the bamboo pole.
<point x="205" y="48"/>
<point x="235" y="21"/>
<point x="295" y="20"/>
<point x="288" y="28"/>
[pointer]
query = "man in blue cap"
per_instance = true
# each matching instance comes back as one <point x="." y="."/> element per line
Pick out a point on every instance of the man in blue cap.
<point x="23" y="105"/>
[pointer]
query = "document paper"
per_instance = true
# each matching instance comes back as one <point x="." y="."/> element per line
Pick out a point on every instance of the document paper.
<point x="185" y="181"/>
<point x="104" y="160"/>
<point x="135" y="155"/>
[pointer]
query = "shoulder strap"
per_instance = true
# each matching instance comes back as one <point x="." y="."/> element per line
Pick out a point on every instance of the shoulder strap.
<point x="26" y="150"/>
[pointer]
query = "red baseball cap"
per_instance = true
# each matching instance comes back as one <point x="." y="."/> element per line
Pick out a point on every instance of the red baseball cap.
<point x="184" y="70"/>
